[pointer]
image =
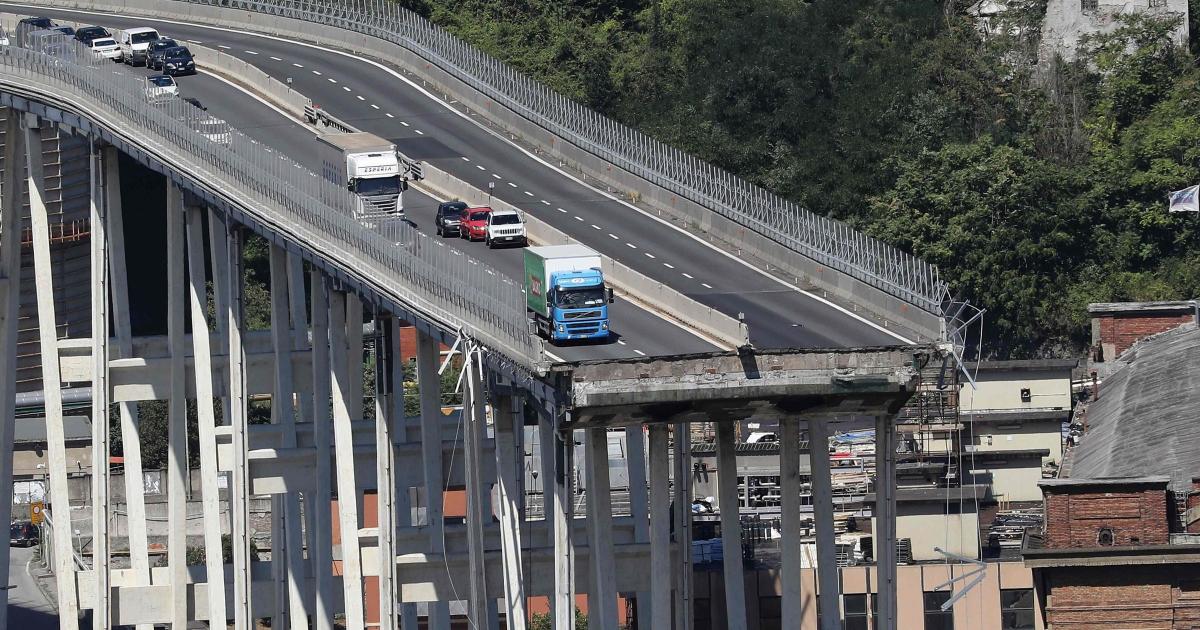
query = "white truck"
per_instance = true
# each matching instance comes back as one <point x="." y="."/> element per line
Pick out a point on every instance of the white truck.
<point x="368" y="166"/>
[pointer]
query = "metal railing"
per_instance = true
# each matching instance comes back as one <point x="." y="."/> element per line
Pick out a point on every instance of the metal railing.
<point x="827" y="241"/>
<point x="443" y="284"/>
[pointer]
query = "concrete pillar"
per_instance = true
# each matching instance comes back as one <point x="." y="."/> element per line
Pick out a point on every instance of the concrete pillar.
<point x="683" y="525"/>
<point x="603" y="611"/>
<point x="288" y="566"/>
<point x="226" y="243"/>
<point x="792" y="559"/>
<point x="12" y="189"/>
<point x="828" y="582"/>
<point x="508" y="421"/>
<point x="177" y="465"/>
<point x="474" y="430"/>
<point x="385" y="469"/>
<point x="731" y="527"/>
<point x="635" y="447"/>
<point x="558" y="470"/>
<point x="404" y="477"/>
<point x="131" y="447"/>
<point x="322" y="549"/>
<point x="344" y="456"/>
<point x="206" y="417"/>
<point x="885" y="519"/>
<point x="430" y="384"/>
<point x="100" y="393"/>
<point x="660" y="532"/>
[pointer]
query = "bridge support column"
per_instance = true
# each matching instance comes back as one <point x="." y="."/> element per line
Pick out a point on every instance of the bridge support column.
<point x="603" y="611"/>
<point x="558" y="450"/>
<point x="828" y="582"/>
<point x="660" y="532"/>
<point x="12" y="190"/>
<point x="297" y="307"/>
<point x="343" y="438"/>
<point x="322" y="536"/>
<point x="731" y="527"/>
<point x="474" y="426"/>
<point x="430" y="384"/>
<point x="508" y="421"/>
<point x="789" y="473"/>
<point x="177" y="465"/>
<point x="683" y="525"/>
<point x="226" y="243"/>
<point x="386" y="422"/>
<point x="885" y="519"/>
<point x="635" y="457"/>
<point x="100" y="393"/>
<point x="206" y="418"/>
<point x="288" y="566"/>
<point x="131" y="447"/>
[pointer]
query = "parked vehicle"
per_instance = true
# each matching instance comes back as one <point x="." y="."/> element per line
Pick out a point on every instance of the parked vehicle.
<point x="473" y="225"/>
<point x="565" y="292"/>
<point x="177" y="61"/>
<point x="89" y="33"/>
<point x="24" y="534"/>
<point x="134" y="44"/>
<point x="105" y="47"/>
<point x="368" y="166"/>
<point x="160" y="87"/>
<point x="449" y="217"/>
<point x="154" y="52"/>
<point x="505" y="227"/>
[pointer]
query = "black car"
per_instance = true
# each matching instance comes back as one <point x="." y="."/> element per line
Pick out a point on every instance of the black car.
<point x="31" y="24"/>
<point x="65" y="30"/>
<point x="88" y="33"/>
<point x="449" y="217"/>
<point x="154" y="53"/>
<point x="177" y="60"/>
<point x="24" y="534"/>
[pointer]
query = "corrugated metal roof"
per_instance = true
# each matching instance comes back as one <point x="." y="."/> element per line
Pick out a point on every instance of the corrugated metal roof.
<point x="1145" y="420"/>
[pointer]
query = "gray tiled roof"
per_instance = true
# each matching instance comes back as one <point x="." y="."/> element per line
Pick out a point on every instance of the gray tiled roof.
<point x="1147" y="420"/>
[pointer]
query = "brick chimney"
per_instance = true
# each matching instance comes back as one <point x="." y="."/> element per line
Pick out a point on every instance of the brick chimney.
<point x="1117" y="326"/>
<point x="1191" y="515"/>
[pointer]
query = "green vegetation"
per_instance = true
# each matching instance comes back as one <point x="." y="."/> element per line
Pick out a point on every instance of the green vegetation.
<point x="1035" y="187"/>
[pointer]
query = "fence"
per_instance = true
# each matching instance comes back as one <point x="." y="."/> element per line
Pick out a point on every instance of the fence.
<point x="446" y="286"/>
<point x="826" y="241"/>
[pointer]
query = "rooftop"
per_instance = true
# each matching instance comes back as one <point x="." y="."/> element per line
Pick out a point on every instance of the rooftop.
<point x="1027" y="364"/>
<point x="1107" y="308"/>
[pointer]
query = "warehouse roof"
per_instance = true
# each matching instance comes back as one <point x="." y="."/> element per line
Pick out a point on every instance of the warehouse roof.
<point x="1145" y="420"/>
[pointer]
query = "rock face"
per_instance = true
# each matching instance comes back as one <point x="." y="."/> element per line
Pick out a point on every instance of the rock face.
<point x="1067" y="21"/>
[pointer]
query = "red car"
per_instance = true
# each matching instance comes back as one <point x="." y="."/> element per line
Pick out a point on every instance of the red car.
<point x="474" y="223"/>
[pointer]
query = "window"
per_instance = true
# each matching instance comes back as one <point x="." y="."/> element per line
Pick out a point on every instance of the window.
<point x="1016" y="609"/>
<point x="1105" y="537"/>
<point x="1026" y="395"/>
<point x="1089" y="5"/>
<point x="856" y="611"/>
<point x="935" y="617"/>
<point x="1158" y="4"/>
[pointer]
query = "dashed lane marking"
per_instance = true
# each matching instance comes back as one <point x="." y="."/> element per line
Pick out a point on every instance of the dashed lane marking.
<point x="688" y="276"/>
<point x="389" y="115"/>
<point x="275" y="59"/>
<point x="706" y="285"/>
<point x="528" y="194"/>
<point x="649" y="255"/>
<point x="250" y="52"/>
<point x="668" y="265"/>
<point x="640" y="352"/>
<point x="630" y="245"/>
<point x="419" y="132"/>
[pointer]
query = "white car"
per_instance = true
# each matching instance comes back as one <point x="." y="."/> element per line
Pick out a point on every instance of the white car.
<point x="160" y="87"/>
<point x="505" y="227"/>
<point x="214" y="129"/>
<point x="105" y="47"/>
<point x="134" y="43"/>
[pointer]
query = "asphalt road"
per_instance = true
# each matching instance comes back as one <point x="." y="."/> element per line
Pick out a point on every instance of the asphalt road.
<point x="369" y="97"/>
<point x="27" y="608"/>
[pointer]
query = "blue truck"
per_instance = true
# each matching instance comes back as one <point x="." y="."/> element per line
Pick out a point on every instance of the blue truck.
<point x="565" y="293"/>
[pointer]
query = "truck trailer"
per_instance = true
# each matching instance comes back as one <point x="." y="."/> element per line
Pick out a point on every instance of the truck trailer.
<point x="367" y="166"/>
<point x="565" y="292"/>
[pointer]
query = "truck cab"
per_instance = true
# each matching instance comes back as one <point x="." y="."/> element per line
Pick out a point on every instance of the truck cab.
<point x="566" y="294"/>
<point x="370" y="167"/>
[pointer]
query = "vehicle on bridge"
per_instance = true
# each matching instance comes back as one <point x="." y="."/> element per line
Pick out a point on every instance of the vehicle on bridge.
<point x="160" y="87"/>
<point x="154" y="52"/>
<point x="449" y="218"/>
<point x="105" y="47"/>
<point x="565" y="292"/>
<point x="177" y="61"/>
<point x="505" y="227"/>
<point x="31" y="24"/>
<point x="473" y="226"/>
<point x="135" y="42"/>
<point x="88" y="34"/>
<point x="367" y="166"/>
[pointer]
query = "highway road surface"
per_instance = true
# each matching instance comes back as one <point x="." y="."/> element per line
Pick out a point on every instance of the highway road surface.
<point x="27" y="608"/>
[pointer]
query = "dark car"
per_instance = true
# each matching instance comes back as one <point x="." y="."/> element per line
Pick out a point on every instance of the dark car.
<point x="449" y="217"/>
<point x="88" y="33"/>
<point x="154" y="53"/>
<point x="177" y="60"/>
<point x="65" y="30"/>
<point x="24" y="534"/>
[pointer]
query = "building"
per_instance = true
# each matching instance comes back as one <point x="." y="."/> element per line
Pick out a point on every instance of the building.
<point x="932" y="518"/>
<point x="1116" y="327"/>
<point x="1068" y="21"/>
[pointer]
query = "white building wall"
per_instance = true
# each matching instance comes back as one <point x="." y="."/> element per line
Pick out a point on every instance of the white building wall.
<point x="1067" y="21"/>
<point x="1000" y="390"/>
<point x="1018" y="436"/>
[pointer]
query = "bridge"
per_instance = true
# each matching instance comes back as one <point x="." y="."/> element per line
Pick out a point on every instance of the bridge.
<point x="838" y="325"/>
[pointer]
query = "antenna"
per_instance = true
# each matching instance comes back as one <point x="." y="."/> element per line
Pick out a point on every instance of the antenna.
<point x="975" y="575"/>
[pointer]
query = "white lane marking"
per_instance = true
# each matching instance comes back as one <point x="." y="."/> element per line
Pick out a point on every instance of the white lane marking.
<point x="668" y="265"/>
<point x="404" y="123"/>
<point x="419" y="132"/>
<point x="317" y="72"/>
<point x="466" y="159"/>
<point x="346" y="88"/>
<point x="640" y="352"/>
<point x="578" y="218"/>
<point x="195" y="41"/>
<point x="561" y="210"/>
<point x="480" y="167"/>
<point x="222" y="47"/>
<point x="614" y="236"/>
<point x="650" y="256"/>
<point x="297" y="65"/>
<point x="250" y="52"/>
<point x="389" y="115"/>
<point x="331" y="80"/>
<point x="528" y="194"/>
<point x="706" y="285"/>
<point x="374" y="106"/>
<point x="595" y="227"/>
<point x="360" y="97"/>
<point x="688" y="276"/>
<point x="275" y="59"/>
<point x="546" y="203"/>
<point x="621" y="341"/>
<point x="630" y="245"/>
<point x="512" y="184"/>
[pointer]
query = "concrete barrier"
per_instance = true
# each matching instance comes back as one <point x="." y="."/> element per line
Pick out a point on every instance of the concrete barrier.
<point x="629" y="283"/>
<point x="757" y="249"/>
